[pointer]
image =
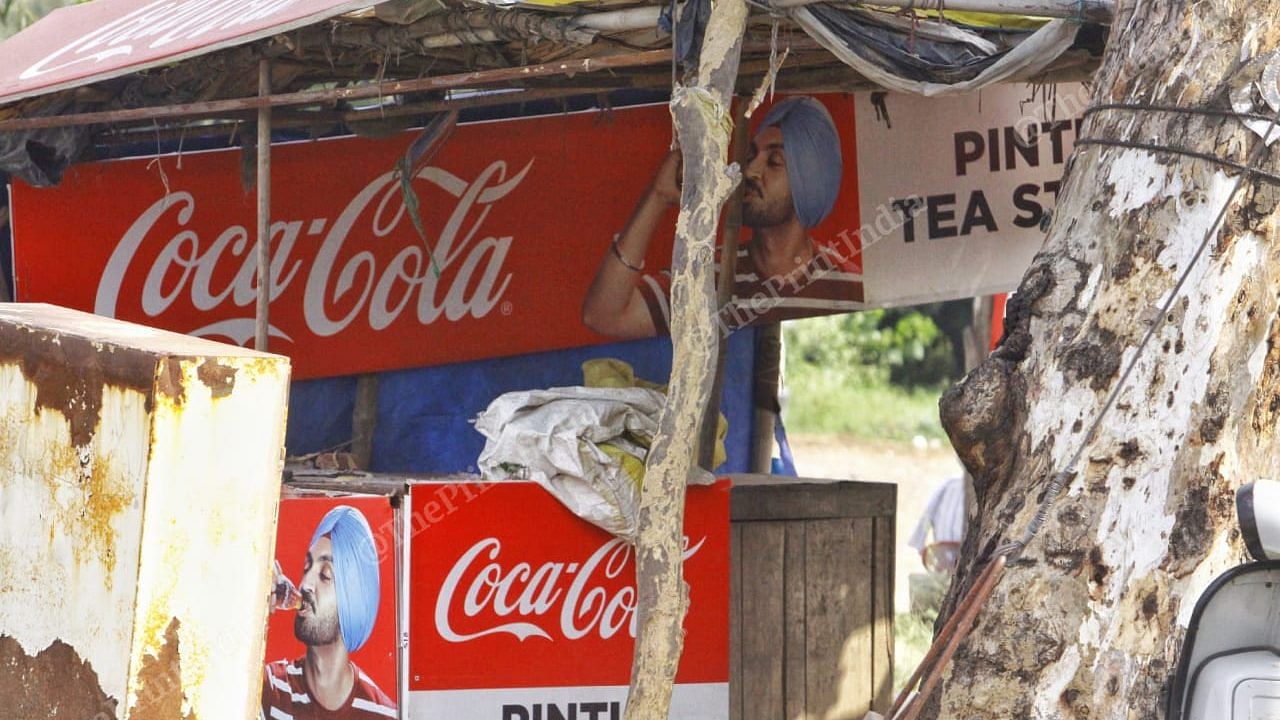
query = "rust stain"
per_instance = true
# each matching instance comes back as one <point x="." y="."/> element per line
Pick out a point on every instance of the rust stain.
<point x="91" y="516"/>
<point x="56" y="683"/>
<point x="70" y="373"/>
<point x="103" y="501"/>
<point x="160" y="694"/>
<point x="219" y="378"/>
<point x="169" y="379"/>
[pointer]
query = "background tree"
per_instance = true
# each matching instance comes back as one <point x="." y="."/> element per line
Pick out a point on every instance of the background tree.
<point x="1088" y="622"/>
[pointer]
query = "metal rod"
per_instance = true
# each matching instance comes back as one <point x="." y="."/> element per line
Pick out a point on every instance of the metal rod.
<point x="264" y="208"/>
<point x="330" y="95"/>
<point x="967" y="613"/>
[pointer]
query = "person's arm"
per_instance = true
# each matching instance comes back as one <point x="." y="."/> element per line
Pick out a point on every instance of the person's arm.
<point x="614" y="305"/>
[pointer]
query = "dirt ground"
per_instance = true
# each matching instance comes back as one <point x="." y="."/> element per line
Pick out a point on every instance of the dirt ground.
<point x="916" y="468"/>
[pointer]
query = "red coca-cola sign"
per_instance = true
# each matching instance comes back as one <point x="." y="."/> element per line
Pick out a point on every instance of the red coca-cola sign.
<point x="517" y="216"/>
<point x="540" y="608"/>
<point x="510" y="210"/>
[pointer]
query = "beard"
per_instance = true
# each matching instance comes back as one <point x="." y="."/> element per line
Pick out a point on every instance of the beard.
<point x="317" y="629"/>
<point x="757" y="212"/>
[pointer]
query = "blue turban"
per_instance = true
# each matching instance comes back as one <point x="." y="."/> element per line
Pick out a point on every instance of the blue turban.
<point x="355" y="572"/>
<point x="812" y="147"/>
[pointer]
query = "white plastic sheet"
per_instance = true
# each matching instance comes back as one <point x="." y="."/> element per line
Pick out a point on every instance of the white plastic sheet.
<point x="554" y="437"/>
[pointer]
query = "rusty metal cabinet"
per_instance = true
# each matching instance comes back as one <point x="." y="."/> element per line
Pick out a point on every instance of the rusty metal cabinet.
<point x="811" y="598"/>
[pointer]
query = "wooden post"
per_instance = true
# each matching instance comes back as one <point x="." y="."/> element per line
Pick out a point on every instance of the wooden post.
<point x="364" y="419"/>
<point x="264" y="208"/>
<point x="703" y="122"/>
<point x="767" y="366"/>
<point x="724" y="289"/>
<point x="978" y="339"/>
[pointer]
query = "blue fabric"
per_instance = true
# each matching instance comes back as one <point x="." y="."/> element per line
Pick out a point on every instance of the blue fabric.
<point x="812" y="147"/>
<point x="355" y="572"/>
<point x="424" y="414"/>
<point x="786" y="463"/>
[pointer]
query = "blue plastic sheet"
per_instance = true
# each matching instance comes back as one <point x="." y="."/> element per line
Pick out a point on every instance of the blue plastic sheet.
<point x="424" y="414"/>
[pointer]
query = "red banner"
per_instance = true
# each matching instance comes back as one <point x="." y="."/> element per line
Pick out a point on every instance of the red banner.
<point x="517" y="215"/>
<point x="541" y="606"/>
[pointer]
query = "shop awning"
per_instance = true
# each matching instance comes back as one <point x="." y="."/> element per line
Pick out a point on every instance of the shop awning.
<point x="82" y="44"/>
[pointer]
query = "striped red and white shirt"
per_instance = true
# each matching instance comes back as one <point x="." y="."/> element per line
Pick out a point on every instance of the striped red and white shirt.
<point x="821" y="286"/>
<point x="285" y="697"/>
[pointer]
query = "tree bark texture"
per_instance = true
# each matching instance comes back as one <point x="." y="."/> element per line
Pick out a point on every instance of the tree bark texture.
<point x="1087" y="623"/>
<point x="703" y="124"/>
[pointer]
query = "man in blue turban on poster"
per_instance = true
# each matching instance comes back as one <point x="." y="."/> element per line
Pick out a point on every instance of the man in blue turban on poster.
<point x="790" y="184"/>
<point x="339" y="592"/>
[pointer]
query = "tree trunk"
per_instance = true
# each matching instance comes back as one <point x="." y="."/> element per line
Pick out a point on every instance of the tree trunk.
<point x="703" y="125"/>
<point x="1088" y="622"/>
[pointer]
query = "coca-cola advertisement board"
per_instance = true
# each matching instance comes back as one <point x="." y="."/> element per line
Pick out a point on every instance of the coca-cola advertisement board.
<point x="518" y="610"/>
<point x="331" y="635"/>
<point x="516" y="217"/>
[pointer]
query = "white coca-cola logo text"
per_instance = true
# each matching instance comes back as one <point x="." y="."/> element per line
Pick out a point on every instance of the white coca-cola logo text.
<point x="465" y="279"/>
<point x="526" y="602"/>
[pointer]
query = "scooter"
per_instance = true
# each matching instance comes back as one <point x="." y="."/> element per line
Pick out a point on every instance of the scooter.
<point x="1229" y="668"/>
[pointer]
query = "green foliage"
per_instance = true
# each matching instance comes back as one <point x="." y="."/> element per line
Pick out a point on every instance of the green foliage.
<point x="912" y="636"/>
<point x="823" y="400"/>
<point x="873" y="374"/>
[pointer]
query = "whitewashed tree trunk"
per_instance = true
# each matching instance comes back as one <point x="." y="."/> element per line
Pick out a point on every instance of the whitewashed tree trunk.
<point x="1087" y="624"/>
<point x="704" y="125"/>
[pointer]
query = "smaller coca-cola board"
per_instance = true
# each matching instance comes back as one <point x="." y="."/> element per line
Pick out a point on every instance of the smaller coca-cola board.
<point x="288" y="642"/>
<point x="518" y="610"/>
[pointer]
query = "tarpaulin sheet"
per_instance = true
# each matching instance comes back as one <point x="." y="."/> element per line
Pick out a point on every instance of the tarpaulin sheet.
<point x="424" y="414"/>
<point x="905" y="63"/>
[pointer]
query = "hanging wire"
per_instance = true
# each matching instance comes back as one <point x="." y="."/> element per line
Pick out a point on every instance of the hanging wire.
<point x="1059" y="480"/>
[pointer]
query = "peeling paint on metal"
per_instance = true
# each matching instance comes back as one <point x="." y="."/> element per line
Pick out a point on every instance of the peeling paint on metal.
<point x="70" y="373"/>
<point x="69" y="529"/>
<point x="54" y="683"/>
<point x="136" y="516"/>
<point x="160" y="695"/>
<point x="219" y="378"/>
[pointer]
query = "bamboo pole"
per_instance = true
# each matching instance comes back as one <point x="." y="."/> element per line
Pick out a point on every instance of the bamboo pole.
<point x="261" y="322"/>
<point x="213" y="108"/>
<point x="749" y="77"/>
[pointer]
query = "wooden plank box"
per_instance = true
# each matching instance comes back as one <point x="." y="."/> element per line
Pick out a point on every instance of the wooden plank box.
<point x="811" y="598"/>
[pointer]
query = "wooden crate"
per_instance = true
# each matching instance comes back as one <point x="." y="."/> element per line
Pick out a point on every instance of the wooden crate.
<point x="811" y="608"/>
